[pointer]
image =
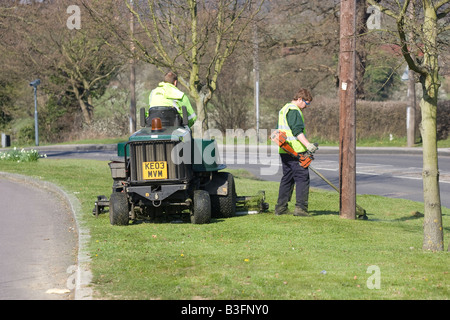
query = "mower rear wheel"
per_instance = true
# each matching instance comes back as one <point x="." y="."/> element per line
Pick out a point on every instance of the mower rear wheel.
<point x="118" y="209"/>
<point x="201" y="208"/>
<point x="225" y="206"/>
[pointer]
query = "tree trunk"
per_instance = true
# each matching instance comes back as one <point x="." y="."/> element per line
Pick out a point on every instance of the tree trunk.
<point x="433" y="232"/>
<point x="202" y="98"/>
<point x="361" y="52"/>
<point x="201" y="118"/>
<point x="87" y="114"/>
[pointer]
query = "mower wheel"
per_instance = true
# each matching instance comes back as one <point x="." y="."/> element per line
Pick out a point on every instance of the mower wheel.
<point x="225" y="206"/>
<point x="201" y="209"/>
<point x="118" y="209"/>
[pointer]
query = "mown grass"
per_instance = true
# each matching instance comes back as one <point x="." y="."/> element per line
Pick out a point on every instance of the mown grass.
<point x="259" y="256"/>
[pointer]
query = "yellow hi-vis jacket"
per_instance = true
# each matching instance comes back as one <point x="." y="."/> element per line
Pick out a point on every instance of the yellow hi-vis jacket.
<point x="167" y="95"/>
<point x="284" y="126"/>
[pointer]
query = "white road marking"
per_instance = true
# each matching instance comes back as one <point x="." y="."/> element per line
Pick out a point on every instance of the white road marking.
<point x="414" y="173"/>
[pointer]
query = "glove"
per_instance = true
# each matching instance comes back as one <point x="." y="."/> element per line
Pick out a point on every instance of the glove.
<point x="312" y="147"/>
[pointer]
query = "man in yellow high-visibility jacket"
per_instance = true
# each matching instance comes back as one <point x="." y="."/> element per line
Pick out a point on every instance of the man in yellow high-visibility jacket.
<point x="291" y="121"/>
<point x="168" y="95"/>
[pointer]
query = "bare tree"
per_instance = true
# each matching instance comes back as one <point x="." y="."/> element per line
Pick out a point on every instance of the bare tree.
<point x="421" y="52"/>
<point x="298" y="45"/>
<point x="191" y="37"/>
<point x="75" y="61"/>
<point x="233" y="97"/>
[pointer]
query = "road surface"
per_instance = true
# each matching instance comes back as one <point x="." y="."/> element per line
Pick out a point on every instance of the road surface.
<point x="394" y="175"/>
<point x="389" y="172"/>
<point x="38" y="239"/>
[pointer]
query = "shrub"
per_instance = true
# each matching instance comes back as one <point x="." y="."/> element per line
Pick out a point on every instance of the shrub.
<point x="443" y="120"/>
<point x="374" y="120"/>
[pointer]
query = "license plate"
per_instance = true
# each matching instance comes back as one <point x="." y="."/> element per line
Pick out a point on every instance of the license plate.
<point x="154" y="170"/>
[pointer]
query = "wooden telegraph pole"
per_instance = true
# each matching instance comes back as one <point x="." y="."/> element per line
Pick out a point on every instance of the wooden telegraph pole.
<point x="132" y="76"/>
<point x="411" y="109"/>
<point x="256" y="71"/>
<point x="347" y="111"/>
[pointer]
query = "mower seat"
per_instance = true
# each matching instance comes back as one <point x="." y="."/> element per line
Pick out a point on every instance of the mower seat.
<point x="169" y="116"/>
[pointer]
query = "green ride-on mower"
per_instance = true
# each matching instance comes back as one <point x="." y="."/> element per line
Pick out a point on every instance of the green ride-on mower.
<point x="163" y="171"/>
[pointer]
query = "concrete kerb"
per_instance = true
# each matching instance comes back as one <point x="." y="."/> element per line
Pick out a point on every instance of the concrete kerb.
<point x="83" y="276"/>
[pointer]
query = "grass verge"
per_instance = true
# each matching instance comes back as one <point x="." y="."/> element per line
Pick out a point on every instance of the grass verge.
<point x="255" y="256"/>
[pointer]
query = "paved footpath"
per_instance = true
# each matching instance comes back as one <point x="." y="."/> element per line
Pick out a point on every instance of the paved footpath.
<point x="38" y="243"/>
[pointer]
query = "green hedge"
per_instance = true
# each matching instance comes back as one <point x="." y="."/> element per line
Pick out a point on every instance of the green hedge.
<point x="374" y="119"/>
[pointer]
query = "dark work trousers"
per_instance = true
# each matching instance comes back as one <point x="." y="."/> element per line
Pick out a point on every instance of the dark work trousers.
<point x="293" y="174"/>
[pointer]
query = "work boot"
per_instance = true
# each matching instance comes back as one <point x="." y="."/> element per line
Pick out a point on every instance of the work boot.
<point x="281" y="209"/>
<point x="299" y="212"/>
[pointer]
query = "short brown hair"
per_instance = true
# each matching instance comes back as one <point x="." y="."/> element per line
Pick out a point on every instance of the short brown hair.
<point x="303" y="94"/>
<point x="170" y="77"/>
